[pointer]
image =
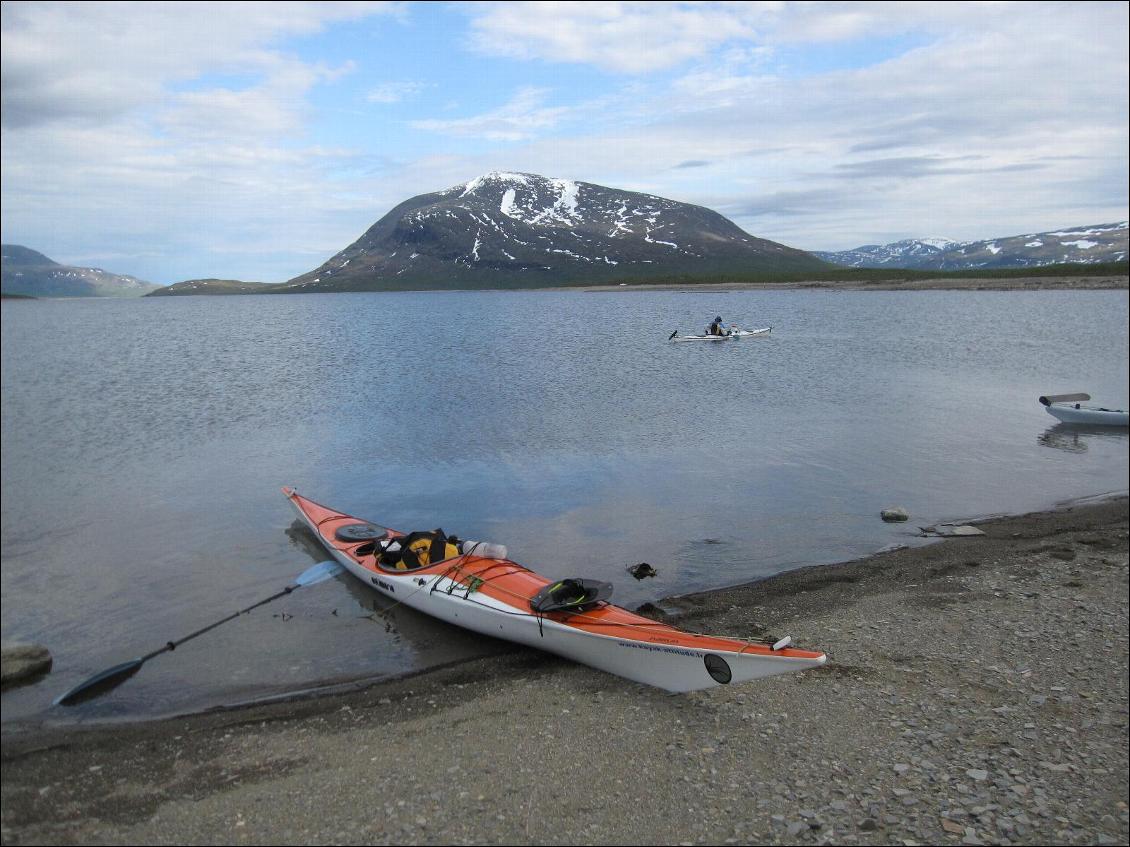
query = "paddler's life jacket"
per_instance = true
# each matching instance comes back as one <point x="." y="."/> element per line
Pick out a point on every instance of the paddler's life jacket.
<point x="420" y="549"/>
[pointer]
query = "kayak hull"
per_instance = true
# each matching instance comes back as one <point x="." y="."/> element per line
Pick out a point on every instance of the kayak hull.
<point x="491" y="597"/>
<point x="1077" y="413"/>
<point x="741" y="333"/>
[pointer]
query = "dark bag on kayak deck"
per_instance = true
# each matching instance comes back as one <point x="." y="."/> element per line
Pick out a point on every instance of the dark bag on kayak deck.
<point x="420" y="549"/>
<point x="571" y="595"/>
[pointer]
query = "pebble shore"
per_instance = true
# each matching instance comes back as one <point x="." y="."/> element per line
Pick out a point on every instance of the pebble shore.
<point x="976" y="693"/>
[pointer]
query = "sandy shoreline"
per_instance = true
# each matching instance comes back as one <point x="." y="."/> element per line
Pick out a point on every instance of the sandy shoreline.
<point x="976" y="693"/>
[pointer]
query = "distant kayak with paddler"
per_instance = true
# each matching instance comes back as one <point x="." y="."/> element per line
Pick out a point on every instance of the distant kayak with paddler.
<point x="1071" y="408"/>
<point x="732" y="334"/>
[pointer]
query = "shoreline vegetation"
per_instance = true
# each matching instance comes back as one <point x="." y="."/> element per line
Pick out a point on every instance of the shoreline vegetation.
<point x="1112" y="275"/>
<point x="976" y="692"/>
<point x="901" y="282"/>
<point x="1105" y="275"/>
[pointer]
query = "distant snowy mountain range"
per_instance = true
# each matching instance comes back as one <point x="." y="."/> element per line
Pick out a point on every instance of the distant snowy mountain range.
<point x="520" y="230"/>
<point x="1084" y="245"/>
<point x="31" y="273"/>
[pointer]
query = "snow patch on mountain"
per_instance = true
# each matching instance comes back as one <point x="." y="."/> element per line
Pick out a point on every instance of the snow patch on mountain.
<point x="494" y="176"/>
<point x="647" y="237"/>
<point x="507" y="206"/>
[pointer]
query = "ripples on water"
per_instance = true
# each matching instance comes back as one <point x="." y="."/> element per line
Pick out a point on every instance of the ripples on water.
<point x="144" y="443"/>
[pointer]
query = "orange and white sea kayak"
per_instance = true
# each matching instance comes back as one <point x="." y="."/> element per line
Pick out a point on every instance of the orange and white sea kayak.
<point x="493" y="596"/>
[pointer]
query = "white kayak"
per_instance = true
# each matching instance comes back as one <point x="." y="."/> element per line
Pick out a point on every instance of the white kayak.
<point x="737" y="333"/>
<point x="1070" y="408"/>
<point x="499" y="597"/>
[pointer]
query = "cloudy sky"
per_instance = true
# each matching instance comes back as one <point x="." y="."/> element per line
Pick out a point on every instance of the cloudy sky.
<point x="254" y="140"/>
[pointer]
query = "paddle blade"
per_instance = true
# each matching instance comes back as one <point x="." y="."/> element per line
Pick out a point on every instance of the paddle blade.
<point x="99" y="683"/>
<point x="320" y="571"/>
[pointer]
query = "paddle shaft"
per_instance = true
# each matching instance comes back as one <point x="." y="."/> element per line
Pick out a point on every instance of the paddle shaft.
<point x="118" y="674"/>
<point x="173" y="645"/>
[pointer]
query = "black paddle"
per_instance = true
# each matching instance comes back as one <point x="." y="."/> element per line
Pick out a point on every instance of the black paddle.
<point x="112" y="677"/>
<point x="672" y="335"/>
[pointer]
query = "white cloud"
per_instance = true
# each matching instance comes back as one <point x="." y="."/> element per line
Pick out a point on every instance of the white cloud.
<point x="395" y="92"/>
<point x="626" y="37"/>
<point x="638" y="36"/>
<point x="99" y="61"/>
<point x="173" y="132"/>
<point x="524" y="116"/>
<point x="272" y="108"/>
<point x="181" y="209"/>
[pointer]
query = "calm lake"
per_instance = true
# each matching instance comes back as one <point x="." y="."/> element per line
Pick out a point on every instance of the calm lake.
<point x="145" y="443"/>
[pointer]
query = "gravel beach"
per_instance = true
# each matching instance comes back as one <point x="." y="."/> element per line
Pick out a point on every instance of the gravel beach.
<point x="976" y="692"/>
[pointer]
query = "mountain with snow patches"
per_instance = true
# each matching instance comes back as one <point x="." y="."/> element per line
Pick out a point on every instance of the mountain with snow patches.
<point x="1082" y="245"/>
<point x="518" y="230"/>
<point x="213" y="286"/>
<point x="25" y="271"/>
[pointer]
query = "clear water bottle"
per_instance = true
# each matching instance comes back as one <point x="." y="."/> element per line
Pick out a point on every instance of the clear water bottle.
<point x="484" y="549"/>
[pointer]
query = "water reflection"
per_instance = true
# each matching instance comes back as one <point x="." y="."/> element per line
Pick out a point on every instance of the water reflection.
<point x="1073" y="438"/>
<point x="428" y="640"/>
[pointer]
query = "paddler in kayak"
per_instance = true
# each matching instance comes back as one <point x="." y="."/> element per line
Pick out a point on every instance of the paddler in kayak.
<point x="716" y="328"/>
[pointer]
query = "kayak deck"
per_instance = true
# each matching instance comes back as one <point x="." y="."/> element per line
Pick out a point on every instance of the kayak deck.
<point x="504" y="587"/>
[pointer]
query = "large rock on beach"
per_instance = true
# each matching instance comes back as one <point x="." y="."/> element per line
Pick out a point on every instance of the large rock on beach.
<point x="20" y="660"/>
<point x="895" y="513"/>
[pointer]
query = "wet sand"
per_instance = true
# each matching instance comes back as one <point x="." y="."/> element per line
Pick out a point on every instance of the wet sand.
<point x="976" y="692"/>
